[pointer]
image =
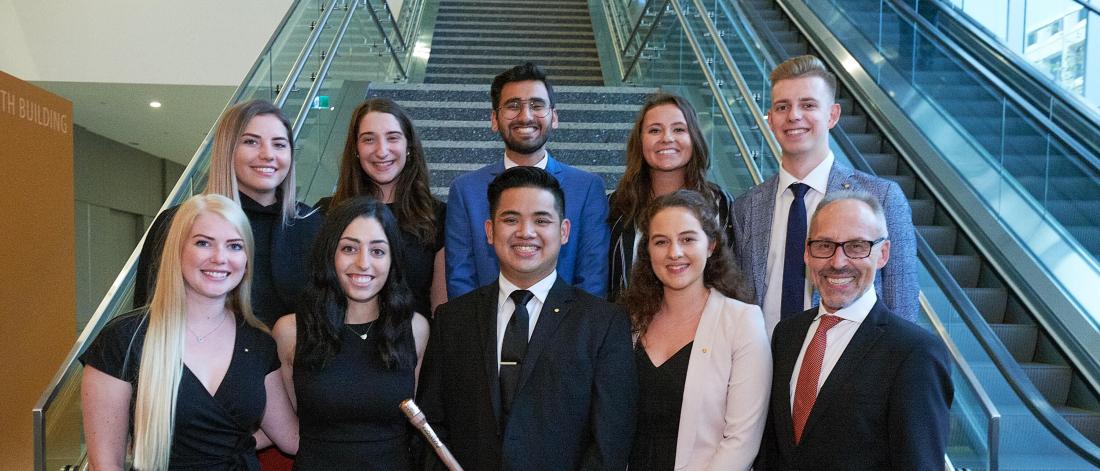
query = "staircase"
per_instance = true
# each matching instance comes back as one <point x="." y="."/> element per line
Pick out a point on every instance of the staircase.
<point x="475" y="40"/>
<point x="1013" y="323"/>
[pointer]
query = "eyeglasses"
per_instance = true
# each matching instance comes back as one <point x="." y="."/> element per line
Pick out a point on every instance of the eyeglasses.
<point x="852" y="248"/>
<point x="538" y="107"/>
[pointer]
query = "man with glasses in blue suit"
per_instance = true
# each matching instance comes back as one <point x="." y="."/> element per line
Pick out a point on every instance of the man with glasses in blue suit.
<point x="524" y="116"/>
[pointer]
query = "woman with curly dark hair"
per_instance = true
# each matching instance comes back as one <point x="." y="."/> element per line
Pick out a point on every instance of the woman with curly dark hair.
<point x="694" y="338"/>
<point x="351" y="355"/>
<point x="383" y="159"/>
<point x="666" y="151"/>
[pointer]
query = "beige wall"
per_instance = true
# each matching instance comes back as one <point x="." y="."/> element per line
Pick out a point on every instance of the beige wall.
<point x="196" y="42"/>
<point x="36" y="257"/>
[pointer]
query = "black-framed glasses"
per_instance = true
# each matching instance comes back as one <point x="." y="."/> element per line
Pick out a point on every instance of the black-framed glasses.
<point x="852" y="248"/>
<point x="539" y="108"/>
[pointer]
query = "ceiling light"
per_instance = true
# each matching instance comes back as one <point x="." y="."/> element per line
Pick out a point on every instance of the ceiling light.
<point x="154" y="104"/>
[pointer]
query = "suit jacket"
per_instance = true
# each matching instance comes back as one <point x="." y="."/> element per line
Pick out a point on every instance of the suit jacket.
<point x="575" y="403"/>
<point x="896" y="283"/>
<point x="726" y="389"/>
<point x="883" y="406"/>
<point x="621" y="259"/>
<point x="471" y="261"/>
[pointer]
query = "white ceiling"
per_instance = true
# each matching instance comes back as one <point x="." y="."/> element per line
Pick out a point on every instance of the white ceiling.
<point x="121" y="112"/>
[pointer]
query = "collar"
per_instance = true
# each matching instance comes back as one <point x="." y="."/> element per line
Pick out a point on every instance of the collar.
<point x="818" y="178"/>
<point x="857" y="311"/>
<point x="541" y="289"/>
<point x="249" y="204"/>
<point x="509" y="163"/>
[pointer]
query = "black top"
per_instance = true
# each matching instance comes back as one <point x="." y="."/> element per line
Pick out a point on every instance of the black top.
<point x="419" y="262"/>
<point x="348" y="411"/>
<point x="211" y="432"/>
<point x="280" y="263"/>
<point x="661" y="394"/>
<point x="621" y="255"/>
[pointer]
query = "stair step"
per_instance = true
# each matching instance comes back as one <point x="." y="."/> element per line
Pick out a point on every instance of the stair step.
<point x="990" y="302"/>
<point x="1019" y="339"/>
<point x="940" y="238"/>
<point x="964" y="268"/>
<point x="924" y="211"/>
<point x="1051" y="380"/>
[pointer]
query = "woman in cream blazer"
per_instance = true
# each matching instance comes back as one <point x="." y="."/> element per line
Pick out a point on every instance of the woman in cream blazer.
<point x="682" y="302"/>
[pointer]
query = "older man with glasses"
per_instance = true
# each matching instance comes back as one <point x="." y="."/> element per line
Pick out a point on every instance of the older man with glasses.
<point x="524" y="116"/>
<point x="854" y="386"/>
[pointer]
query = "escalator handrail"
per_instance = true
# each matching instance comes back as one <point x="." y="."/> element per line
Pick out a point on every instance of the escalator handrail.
<point x="743" y="87"/>
<point x="1085" y="143"/>
<point x="116" y="294"/>
<point x="303" y="57"/>
<point x="993" y="432"/>
<point x="1002" y="359"/>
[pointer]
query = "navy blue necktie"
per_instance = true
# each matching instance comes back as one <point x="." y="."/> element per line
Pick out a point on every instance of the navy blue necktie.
<point x="513" y="348"/>
<point x="794" y="266"/>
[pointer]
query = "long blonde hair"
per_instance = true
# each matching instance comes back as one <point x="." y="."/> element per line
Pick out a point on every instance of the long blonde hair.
<point x="162" y="352"/>
<point x="222" y="179"/>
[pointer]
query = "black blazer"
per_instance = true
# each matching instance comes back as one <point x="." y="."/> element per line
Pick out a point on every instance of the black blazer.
<point x="884" y="405"/>
<point x="575" y="405"/>
<point x="290" y="247"/>
<point x="621" y="256"/>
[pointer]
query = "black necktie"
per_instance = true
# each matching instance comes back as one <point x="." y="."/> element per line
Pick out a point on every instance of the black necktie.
<point x="513" y="348"/>
<point x="794" y="266"/>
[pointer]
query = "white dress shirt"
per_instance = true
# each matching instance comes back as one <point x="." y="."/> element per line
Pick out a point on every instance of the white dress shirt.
<point x="506" y="307"/>
<point x="837" y="338"/>
<point x="509" y="163"/>
<point x="818" y="181"/>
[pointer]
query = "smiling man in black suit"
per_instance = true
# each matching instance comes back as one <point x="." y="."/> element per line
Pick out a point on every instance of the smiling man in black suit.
<point x="530" y="373"/>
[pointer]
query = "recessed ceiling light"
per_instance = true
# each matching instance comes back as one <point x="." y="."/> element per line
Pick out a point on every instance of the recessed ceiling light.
<point x="154" y="104"/>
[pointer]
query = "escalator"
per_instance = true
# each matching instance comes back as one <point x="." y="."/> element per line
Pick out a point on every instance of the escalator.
<point x="1020" y="343"/>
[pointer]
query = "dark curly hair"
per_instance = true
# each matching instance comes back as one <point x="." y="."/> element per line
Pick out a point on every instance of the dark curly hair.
<point x="645" y="294"/>
<point x="324" y="304"/>
<point x="519" y="73"/>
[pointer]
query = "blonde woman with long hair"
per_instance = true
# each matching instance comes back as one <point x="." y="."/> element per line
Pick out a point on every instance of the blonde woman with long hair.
<point x="252" y="163"/>
<point x="194" y="375"/>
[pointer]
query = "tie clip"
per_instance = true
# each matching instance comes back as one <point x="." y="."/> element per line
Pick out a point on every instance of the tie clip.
<point x="508" y="363"/>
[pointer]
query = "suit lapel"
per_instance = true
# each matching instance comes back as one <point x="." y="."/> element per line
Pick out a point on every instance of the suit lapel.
<point x="763" y="209"/>
<point x="786" y="355"/>
<point x="849" y="363"/>
<point x="487" y="329"/>
<point x="556" y="307"/>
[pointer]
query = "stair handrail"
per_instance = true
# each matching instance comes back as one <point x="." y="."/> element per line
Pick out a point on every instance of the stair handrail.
<point x="393" y="22"/>
<point x="117" y="293"/>
<point x="939" y="327"/>
<point x="820" y="38"/>
<point x="638" y="25"/>
<point x="645" y="40"/>
<point x="385" y="39"/>
<point x="743" y="87"/>
<point x="303" y="56"/>
<point x="1088" y="156"/>
<point x="322" y="72"/>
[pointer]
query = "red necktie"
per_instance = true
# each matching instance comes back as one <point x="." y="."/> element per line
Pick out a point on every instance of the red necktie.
<point x="805" y="392"/>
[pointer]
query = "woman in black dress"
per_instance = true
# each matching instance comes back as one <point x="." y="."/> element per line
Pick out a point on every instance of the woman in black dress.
<point x="351" y="355"/>
<point x="196" y="357"/>
<point x="383" y="159"/>
<point x="252" y="163"/>
<point x="704" y="364"/>
<point x="666" y="151"/>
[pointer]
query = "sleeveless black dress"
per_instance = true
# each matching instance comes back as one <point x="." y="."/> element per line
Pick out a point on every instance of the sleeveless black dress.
<point x="213" y="432"/>
<point x="660" y="395"/>
<point x="348" y="411"/>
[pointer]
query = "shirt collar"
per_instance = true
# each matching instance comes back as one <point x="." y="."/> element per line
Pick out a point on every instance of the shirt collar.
<point x="541" y="289"/>
<point x="509" y="163"/>
<point x="857" y="311"/>
<point x="818" y="178"/>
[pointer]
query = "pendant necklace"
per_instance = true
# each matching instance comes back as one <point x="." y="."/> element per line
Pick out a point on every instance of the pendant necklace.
<point x="363" y="335"/>
<point x="202" y="338"/>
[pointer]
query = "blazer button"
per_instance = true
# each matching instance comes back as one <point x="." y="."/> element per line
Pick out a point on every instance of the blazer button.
<point x="705" y="349"/>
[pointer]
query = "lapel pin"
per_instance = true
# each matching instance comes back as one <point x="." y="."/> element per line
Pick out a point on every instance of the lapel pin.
<point x="557" y="310"/>
<point x="704" y="349"/>
<point x="246" y="350"/>
<point x="846" y="185"/>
